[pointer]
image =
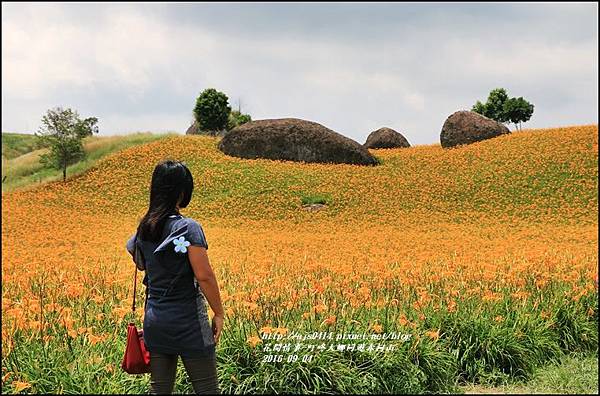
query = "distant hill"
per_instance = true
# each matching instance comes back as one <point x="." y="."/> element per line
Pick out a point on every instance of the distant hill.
<point x="21" y="152"/>
<point x="533" y="174"/>
<point x="16" y="144"/>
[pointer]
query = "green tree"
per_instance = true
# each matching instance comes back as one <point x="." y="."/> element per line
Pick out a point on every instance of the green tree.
<point x="212" y="110"/>
<point x="479" y="108"/>
<point x="518" y="110"/>
<point x="494" y="107"/>
<point x="63" y="131"/>
<point x="236" y="118"/>
<point x="503" y="109"/>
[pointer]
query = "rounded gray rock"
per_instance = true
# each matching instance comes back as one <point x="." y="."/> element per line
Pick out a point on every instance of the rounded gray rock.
<point x="193" y="129"/>
<point x="385" y="138"/>
<point x="465" y="127"/>
<point x="293" y="139"/>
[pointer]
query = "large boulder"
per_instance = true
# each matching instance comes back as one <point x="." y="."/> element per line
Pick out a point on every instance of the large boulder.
<point x="293" y="139"/>
<point x="385" y="138"/>
<point x="194" y="129"/>
<point x="465" y="127"/>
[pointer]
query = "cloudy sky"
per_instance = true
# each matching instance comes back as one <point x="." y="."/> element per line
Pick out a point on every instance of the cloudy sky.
<point x="352" y="67"/>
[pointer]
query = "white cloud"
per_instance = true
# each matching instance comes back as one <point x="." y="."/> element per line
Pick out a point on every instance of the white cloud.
<point x="138" y="67"/>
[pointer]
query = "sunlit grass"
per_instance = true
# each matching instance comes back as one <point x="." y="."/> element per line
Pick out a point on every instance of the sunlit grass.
<point x="26" y="170"/>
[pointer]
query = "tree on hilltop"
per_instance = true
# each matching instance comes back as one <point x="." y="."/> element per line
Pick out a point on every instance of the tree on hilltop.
<point x="212" y="111"/>
<point x="501" y="108"/>
<point x="518" y="110"/>
<point x="63" y="131"/>
<point x="237" y="118"/>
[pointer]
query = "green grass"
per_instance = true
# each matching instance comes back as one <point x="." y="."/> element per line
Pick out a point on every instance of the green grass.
<point x="26" y="170"/>
<point x="574" y="374"/>
<point x="310" y="199"/>
<point x="497" y="359"/>
<point x="16" y="144"/>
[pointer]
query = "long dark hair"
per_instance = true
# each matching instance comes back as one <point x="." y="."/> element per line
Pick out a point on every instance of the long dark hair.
<point x="170" y="181"/>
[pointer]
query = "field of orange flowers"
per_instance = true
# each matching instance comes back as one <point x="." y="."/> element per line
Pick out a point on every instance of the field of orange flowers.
<point x="485" y="254"/>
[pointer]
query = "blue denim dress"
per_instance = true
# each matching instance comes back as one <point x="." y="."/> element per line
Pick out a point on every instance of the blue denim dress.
<point x="175" y="318"/>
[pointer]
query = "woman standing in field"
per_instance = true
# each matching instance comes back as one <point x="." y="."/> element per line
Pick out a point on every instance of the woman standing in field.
<point x="173" y="250"/>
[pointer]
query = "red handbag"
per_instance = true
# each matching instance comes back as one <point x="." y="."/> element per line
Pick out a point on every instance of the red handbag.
<point x="137" y="358"/>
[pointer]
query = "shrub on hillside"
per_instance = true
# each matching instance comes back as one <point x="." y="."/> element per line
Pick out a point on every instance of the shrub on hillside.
<point x="212" y="111"/>
<point x="499" y="107"/>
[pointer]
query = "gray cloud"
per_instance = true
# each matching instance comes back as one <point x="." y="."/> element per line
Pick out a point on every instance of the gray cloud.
<point x="352" y="67"/>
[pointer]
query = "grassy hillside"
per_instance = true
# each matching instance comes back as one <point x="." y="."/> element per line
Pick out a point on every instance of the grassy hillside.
<point x="535" y="175"/>
<point x="486" y="255"/>
<point x="16" y="144"/>
<point x="25" y="169"/>
<point x="574" y="375"/>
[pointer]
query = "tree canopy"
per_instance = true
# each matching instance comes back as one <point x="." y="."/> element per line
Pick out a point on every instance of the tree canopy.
<point x="500" y="107"/>
<point x="63" y="131"/>
<point x="212" y="110"/>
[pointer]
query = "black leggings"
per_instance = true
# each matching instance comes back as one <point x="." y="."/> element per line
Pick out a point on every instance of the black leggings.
<point x="202" y="373"/>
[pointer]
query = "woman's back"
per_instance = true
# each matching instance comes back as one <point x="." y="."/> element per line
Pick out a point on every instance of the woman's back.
<point x="176" y="319"/>
<point x="179" y="282"/>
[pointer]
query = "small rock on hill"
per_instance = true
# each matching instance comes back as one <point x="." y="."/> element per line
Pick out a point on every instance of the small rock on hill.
<point x="194" y="129"/>
<point x="385" y="138"/>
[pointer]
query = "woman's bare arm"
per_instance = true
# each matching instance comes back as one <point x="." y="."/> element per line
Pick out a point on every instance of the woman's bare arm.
<point x="208" y="283"/>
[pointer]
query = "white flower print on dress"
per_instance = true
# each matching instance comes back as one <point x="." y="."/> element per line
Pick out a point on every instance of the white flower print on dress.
<point x="181" y="244"/>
